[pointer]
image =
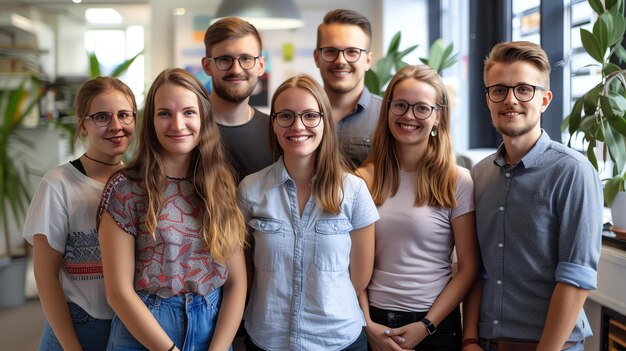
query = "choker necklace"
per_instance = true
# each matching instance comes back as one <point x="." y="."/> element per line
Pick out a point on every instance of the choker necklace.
<point x="103" y="163"/>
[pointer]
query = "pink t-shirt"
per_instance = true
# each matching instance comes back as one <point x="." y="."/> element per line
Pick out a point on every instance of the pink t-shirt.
<point x="413" y="260"/>
<point x="178" y="261"/>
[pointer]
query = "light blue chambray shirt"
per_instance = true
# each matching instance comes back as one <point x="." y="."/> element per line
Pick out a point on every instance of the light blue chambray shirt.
<point x="538" y="222"/>
<point x="302" y="297"/>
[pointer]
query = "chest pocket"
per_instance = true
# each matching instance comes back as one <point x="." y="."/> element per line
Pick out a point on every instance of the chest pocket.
<point x="332" y="245"/>
<point x="268" y="243"/>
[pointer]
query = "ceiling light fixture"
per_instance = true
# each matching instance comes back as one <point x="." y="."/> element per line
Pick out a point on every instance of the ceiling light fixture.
<point x="263" y="14"/>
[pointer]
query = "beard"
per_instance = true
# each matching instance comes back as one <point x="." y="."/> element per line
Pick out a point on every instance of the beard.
<point x="514" y="131"/>
<point x="233" y="95"/>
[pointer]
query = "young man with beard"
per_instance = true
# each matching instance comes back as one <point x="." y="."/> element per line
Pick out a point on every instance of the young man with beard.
<point x="343" y="56"/>
<point x="234" y="62"/>
<point x="538" y="219"/>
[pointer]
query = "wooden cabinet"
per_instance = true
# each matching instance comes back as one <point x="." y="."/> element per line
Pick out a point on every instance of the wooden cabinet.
<point x="617" y="336"/>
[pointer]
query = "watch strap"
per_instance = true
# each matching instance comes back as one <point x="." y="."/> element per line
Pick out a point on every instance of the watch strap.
<point x="430" y="327"/>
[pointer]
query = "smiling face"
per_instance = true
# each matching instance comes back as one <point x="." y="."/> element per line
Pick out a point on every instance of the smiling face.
<point x="406" y="129"/>
<point x="236" y="84"/>
<point x="297" y="141"/>
<point x="177" y="121"/>
<point x="512" y="117"/>
<point x="340" y="76"/>
<point x="108" y="143"/>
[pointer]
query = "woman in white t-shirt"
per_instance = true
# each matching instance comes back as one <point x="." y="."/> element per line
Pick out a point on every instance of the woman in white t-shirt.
<point x="61" y="221"/>
<point x="426" y="207"/>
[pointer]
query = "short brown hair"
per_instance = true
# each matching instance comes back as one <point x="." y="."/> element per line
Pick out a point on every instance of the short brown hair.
<point x="513" y="51"/>
<point x="229" y="28"/>
<point x="344" y="16"/>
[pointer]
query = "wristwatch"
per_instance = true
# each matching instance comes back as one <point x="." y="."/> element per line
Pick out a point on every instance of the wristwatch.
<point x="429" y="326"/>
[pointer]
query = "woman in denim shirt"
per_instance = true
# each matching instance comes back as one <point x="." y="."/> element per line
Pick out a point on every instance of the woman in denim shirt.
<point x="312" y="229"/>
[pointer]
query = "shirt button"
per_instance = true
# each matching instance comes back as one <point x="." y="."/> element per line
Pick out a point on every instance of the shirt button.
<point x="508" y="175"/>
<point x="335" y="227"/>
<point x="499" y="282"/>
<point x="500" y="245"/>
<point x="495" y="322"/>
<point x="501" y="208"/>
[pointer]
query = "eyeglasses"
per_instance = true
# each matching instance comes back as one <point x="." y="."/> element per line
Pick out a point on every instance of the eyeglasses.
<point x="286" y="118"/>
<point x="522" y="92"/>
<point x="420" y="110"/>
<point x="330" y="54"/>
<point x="103" y="119"/>
<point x="224" y="63"/>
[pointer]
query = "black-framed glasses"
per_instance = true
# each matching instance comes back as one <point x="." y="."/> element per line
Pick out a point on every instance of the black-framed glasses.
<point x="309" y="119"/>
<point x="522" y="92"/>
<point x="224" y="63"/>
<point x="330" y="54"/>
<point x="420" y="109"/>
<point x="103" y="118"/>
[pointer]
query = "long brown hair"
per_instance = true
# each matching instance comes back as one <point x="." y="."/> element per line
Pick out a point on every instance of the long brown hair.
<point x="330" y="167"/>
<point x="436" y="171"/>
<point x="223" y="227"/>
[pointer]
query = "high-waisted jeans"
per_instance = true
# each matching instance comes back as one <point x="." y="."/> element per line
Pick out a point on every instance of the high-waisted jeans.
<point x="189" y="320"/>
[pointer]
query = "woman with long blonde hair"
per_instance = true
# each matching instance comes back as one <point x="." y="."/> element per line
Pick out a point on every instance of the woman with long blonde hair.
<point x="171" y="233"/>
<point x="426" y="206"/>
<point x="312" y="228"/>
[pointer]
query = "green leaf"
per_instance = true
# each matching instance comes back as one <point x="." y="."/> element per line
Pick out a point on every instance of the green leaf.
<point x="591" y="153"/>
<point x="616" y="144"/>
<point x="94" y="65"/>
<point x="610" y="68"/>
<point x="588" y="123"/>
<point x="590" y="100"/>
<point x="596" y="5"/>
<point x="611" y="188"/>
<point x="119" y="70"/>
<point x="371" y="82"/>
<point x="610" y="5"/>
<point x="591" y="45"/>
<point x="618" y="123"/>
<point x="574" y="116"/>
<point x="620" y="52"/>
<point x="394" y="44"/>
<point x="601" y="31"/>
<point x="616" y="31"/>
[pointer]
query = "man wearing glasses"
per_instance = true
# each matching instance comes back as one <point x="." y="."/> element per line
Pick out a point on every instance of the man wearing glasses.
<point x="538" y="219"/>
<point x="234" y="62"/>
<point x="343" y="56"/>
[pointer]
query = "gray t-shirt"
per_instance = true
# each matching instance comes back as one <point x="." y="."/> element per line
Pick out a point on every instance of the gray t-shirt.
<point x="248" y="144"/>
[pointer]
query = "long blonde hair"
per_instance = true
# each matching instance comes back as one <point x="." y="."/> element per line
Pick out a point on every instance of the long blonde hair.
<point x="436" y="171"/>
<point x="330" y="167"/>
<point x="223" y="226"/>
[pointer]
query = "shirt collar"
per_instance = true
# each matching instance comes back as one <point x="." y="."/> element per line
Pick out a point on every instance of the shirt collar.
<point x="364" y="101"/>
<point x="532" y="156"/>
<point x="280" y="172"/>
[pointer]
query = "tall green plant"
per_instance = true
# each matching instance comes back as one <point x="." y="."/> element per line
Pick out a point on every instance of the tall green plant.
<point x="15" y="105"/>
<point x="439" y="58"/>
<point x="600" y="114"/>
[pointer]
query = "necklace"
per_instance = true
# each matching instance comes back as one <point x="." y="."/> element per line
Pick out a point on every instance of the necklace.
<point x="103" y="163"/>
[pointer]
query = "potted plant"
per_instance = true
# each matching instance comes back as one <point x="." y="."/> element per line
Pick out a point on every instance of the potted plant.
<point x="600" y="114"/>
<point x="439" y="57"/>
<point x="15" y="105"/>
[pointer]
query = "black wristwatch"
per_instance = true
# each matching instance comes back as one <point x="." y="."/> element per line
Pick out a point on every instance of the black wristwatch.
<point x="429" y="326"/>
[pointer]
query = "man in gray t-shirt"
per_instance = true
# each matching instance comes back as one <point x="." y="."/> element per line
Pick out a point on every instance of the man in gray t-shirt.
<point x="343" y="56"/>
<point x="234" y="62"/>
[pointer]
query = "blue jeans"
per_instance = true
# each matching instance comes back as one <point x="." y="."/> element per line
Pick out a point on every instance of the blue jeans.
<point x="189" y="320"/>
<point x="92" y="333"/>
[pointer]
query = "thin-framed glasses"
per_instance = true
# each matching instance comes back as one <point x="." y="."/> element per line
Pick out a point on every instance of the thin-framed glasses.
<point x="103" y="118"/>
<point x="522" y="92"/>
<point x="224" y="63"/>
<point x="286" y="118"/>
<point x="330" y="54"/>
<point x="420" y="109"/>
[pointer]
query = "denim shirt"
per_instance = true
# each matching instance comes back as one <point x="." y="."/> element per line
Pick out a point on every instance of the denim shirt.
<point x="539" y="222"/>
<point x="302" y="297"/>
<point x="356" y="130"/>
